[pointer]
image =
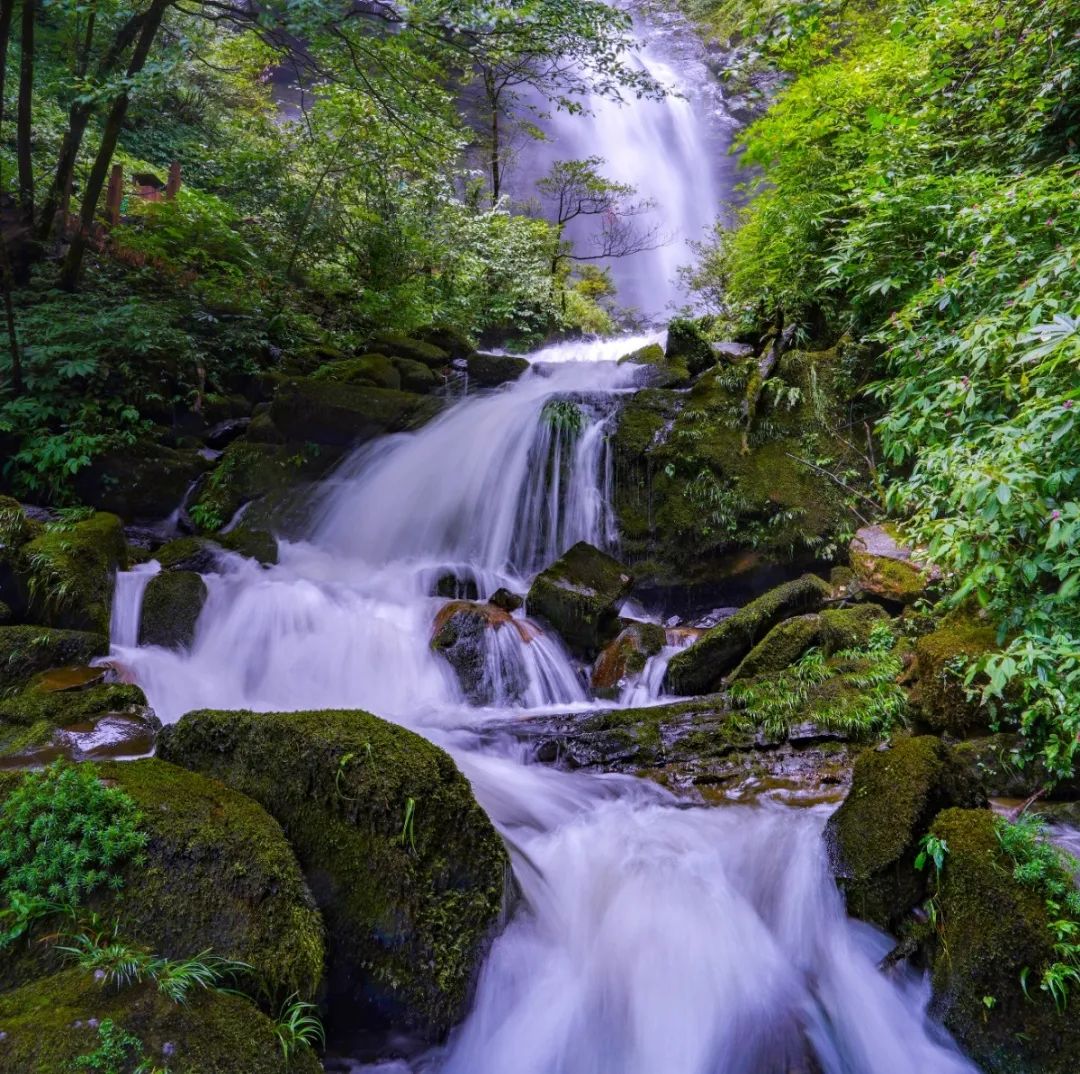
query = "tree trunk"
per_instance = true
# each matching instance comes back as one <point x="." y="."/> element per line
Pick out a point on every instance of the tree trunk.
<point x="764" y="369"/>
<point x="69" y="274"/>
<point x="23" y="129"/>
<point x="7" y="280"/>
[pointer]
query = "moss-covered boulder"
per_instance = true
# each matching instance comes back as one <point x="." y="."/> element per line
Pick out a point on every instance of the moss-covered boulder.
<point x="462" y="637"/>
<point x="16" y="530"/>
<point x="415" y="376"/>
<point x="995" y="934"/>
<point x="491" y="370"/>
<point x="196" y="554"/>
<point x="395" y="345"/>
<point x="625" y="657"/>
<point x="874" y="836"/>
<point x="885" y="566"/>
<point x="49" y="1024"/>
<point x="147" y="480"/>
<point x="580" y="595"/>
<point x="68" y="572"/>
<point x="406" y="868"/>
<point x="688" y="346"/>
<point x="171" y="607"/>
<point x="314" y="411"/>
<point x="27" y="650"/>
<point x="939" y="697"/>
<point x="702" y="667"/>
<point x="830" y="630"/>
<point x="32" y="718"/>
<point x="447" y="338"/>
<point x="664" y="372"/>
<point x="375" y="370"/>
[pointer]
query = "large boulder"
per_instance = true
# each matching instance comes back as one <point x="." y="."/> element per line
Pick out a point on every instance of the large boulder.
<point x="216" y="874"/>
<point x="939" y="696"/>
<point x="830" y="631"/>
<point x="406" y="868"/>
<point x="491" y="370"/>
<point x="687" y="346"/>
<point x="702" y="667"/>
<point x="885" y="566"/>
<point x="375" y="370"/>
<point x="313" y="411"/>
<point x="664" y="372"/>
<point x="27" y="650"/>
<point x="68" y="572"/>
<point x="873" y="838"/>
<point x="50" y="1023"/>
<point x="171" y="607"/>
<point x="463" y="636"/>
<point x="415" y="376"/>
<point x="580" y="595"/>
<point x="396" y="345"/>
<point x="996" y="937"/>
<point x="625" y="657"/>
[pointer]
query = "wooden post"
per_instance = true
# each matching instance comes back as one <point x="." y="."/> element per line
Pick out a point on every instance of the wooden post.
<point x="113" y="194"/>
<point x="172" y="187"/>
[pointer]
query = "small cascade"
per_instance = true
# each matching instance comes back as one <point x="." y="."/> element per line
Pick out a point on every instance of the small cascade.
<point x="127" y="603"/>
<point x="648" y="687"/>
<point x="526" y="668"/>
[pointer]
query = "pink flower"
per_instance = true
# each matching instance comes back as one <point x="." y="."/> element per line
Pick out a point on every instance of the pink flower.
<point x="1055" y="515"/>
<point x="1068" y="404"/>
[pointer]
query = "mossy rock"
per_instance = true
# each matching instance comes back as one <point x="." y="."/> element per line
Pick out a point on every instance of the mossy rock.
<point x="415" y="376"/>
<point x="68" y="572"/>
<point x="701" y="668"/>
<point x="830" y="631"/>
<point x="398" y="346"/>
<point x="579" y="595"/>
<point x="314" y="411"/>
<point x="147" y="480"/>
<point x="461" y="638"/>
<point x="624" y="657"/>
<point x="218" y="874"/>
<point x="941" y="660"/>
<point x="884" y="566"/>
<point x="375" y="370"/>
<point x="171" y="607"/>
<point x="50" y="1023"/>
<point x="196" y="554"/>
<point x="994" y="930"/>
<point x="251" y="541"/>
<point x="491" y="370"/>
<point x="874" y="836"/>
<point x="27" y="650"/>
<point x="30" y="718"/>
<point x="688" y="346"/>
<point x="410" y="893"/>
<point x="447" y="338"/>
<point x="16" y="530"/>
<point x="664" y="372"/>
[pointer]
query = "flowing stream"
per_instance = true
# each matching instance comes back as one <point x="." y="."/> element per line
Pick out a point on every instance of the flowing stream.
<point x="654" y="935"/>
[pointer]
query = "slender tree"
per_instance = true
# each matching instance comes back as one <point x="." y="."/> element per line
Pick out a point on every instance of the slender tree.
<point x="24" y="122"/>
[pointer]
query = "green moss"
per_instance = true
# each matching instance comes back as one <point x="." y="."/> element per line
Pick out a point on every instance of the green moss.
<point x="415" y="376"/>
<point x="187" y="554"/>
<point x="666" y="373"/>
<point x="68" y="572"/>
<point x="687" y="345"/>
<point x="408" y="906"/>
<point x="942" y="658"/>
<point x="373" y="369"/>
<point x="829" y="631"/>
<point x="171" y="607"/>
<point x="883" y="565"/>
<point x="992" y="930"/>
<point x="701" y="668"/>
<point x="51" y="1022"/>
<point x="398" y="346"/>
<point x="27" y="650"/>
<point x="873" y="837"/>
<point x="491" y="370"/>
<point x="579" y="596"/>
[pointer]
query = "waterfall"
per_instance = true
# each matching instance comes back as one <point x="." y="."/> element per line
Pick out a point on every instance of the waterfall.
<point x="127" y="603"/>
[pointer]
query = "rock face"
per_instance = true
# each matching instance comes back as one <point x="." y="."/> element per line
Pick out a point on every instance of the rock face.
<point x="829" y="631"/>
<point x="664" y="371"/>
<point x="373" y="370"/>
<point x="688" y="347"/>
<point x="873" y="837"/>
<point x="994" y="930"/>
<point x="52" y="1022"/>
<point x="171" y="606"/>
<point x="404" y="865"/>
<point x="884" y="566"/>
<point x="27" y="650"/>
<point x="939" y="695"/>
<point x="463" y="637"/>
<point x="702" y="667"/>
<point x="625" y="656"/>
<point x="491" y="370"/>
<point x="579" y="595"/>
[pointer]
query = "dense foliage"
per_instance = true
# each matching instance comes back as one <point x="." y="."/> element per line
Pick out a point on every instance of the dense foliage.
<point x="915" y="186"/>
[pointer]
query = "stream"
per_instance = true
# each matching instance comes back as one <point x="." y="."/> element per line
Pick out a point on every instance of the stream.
<point x="653" y="935"/>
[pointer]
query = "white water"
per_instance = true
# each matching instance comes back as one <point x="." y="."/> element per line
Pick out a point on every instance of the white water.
<point x="127" y="602"/>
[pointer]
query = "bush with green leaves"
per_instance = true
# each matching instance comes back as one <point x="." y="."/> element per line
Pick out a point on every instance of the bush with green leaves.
<point x="63" y="834"/>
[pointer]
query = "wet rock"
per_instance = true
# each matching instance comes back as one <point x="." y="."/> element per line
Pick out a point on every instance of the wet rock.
<point x="664" y="372"/>
<point x="884" y="566"/>
<point x="68" y="572"/>
<point x="874" y="836"/>
<point x="829" y="631"/>
<point x="27" y="650"/>
<point x="731" y="351"/>
<point x="404" y="865"/>
<point x="995" y="933"/>
<point x="491" y="370"/>
<point x="624" y="657"/>
<point x="462" y="637"/>
<point x="996" y="762"/>
<point x="579" y="595"/>
<point x="415" y="376"/>
<point x="171" y="607"/>
<point x="221" y="435"/>
<point x="503" y="598"/>
<point x="188" y="554"/>
<point x="456" y="587"/>
<point x="147" y="480"/>
<point x="939" y="696"/>
<point x="399" y="346"/>
<point x="702" y="666"/>
<point x="251" y="541"/>
<point x="311" y="411"/>
<point x="375" y="370"/>
<point x="687" y="346"/>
